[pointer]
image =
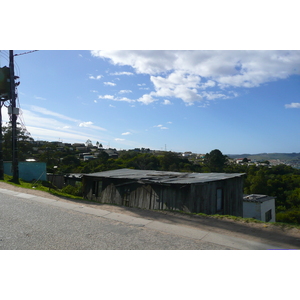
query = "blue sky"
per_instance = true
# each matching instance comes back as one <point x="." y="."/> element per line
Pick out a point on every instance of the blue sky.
<point x="235" y="101"/>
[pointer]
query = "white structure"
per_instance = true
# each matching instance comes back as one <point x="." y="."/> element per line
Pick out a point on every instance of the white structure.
<point x="260" y="207"/>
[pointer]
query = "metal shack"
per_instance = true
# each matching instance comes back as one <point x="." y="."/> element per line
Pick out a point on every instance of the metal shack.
<point x="209" y="193"/>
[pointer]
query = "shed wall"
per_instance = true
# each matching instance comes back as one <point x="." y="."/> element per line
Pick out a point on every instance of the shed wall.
<point x="28" y="171"/>
<point x="196" y="198"/>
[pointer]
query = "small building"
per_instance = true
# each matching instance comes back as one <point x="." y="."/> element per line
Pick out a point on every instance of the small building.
<point x="260" y="207"/>
<point x="73" y="179"/>
<point x="209" y="193"/>
<point x="28" y="170"/>
<point x="88" y="157"/>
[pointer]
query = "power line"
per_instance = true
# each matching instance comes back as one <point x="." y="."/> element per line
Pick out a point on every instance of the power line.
<point x="26" y="52"/>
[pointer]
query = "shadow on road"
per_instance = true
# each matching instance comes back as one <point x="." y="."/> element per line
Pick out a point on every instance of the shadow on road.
<point x="266" y="233"/>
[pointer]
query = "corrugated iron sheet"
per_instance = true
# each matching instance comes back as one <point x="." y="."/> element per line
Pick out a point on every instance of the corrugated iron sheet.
<point x="164" y="176"/>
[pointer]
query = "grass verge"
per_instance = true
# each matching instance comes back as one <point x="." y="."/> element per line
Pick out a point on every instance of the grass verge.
<point x="46" y="186"/>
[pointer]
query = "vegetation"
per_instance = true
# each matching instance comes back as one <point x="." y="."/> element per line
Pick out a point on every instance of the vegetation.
<point x="282" y="181"/>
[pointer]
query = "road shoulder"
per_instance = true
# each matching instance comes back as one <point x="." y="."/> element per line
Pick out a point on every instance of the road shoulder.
<point x="253" y="232"/>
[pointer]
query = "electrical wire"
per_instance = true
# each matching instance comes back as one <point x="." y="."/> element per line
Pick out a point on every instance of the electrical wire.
<point x="4" y="55"/>
<point x="25" y="52"/>
<point x="7" y="103"/>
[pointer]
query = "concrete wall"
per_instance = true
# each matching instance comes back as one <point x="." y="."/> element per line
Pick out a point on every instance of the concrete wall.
<point x="28" y="171"/>
<point x="258" y="209"/>
<point x="265" y="206"/>
<point x="252" y="210"/>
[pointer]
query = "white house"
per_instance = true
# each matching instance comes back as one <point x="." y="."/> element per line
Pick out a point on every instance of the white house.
<point x="260" y="207"/>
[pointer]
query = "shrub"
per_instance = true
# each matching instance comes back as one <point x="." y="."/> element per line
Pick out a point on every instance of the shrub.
<point x="289" y="216"/>
<point x="73" y="190"/>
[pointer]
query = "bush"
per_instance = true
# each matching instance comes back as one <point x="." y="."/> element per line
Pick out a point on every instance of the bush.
<point x="289" y="216"/>
<point x="73" y="190"/>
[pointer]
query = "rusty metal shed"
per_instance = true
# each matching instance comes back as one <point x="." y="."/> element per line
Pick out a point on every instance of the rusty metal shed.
<point x="208" y="193"/>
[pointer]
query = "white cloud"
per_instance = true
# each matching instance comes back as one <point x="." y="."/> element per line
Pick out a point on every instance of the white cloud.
<point x="125" y="91"/>
<point x="91" y="125"/>
<point x="49" y="128"/>
<point x="167" y="102"/>
<point x="146" y="99"/>
<point x="124" y="99"/>
<point x="122" y="73"/>
<point x="54" y="123"/>
<point x="208" y="84"/>
<point x="111" y="97"/>
<point x="213" y="95"/>
<point x="119" y="140"/>
<point x="126" y="133"/>
<point x="148" y="62"/>
<point x="85" y="124"/>
<point x="183" y="74"/>
<point x="293" y="105"/>
<point x="45" y="111"/>
<point x="109" y="83"/>
<point x="179" y="85"/>
<point x="39" y="98"/>
<point x="95" y="101"/>
<point x="95" y="78"/>
<point x="161" y="126"/>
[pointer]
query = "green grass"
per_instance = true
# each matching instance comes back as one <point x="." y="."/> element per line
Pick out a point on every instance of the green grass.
<point x="241" y="219"/>
<point x="44" y="186"/>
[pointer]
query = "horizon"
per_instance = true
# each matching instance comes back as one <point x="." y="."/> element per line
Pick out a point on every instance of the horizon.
<point x="235" y="101"/>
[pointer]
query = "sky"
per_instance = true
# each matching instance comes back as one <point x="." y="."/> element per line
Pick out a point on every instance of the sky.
<point x="236" y="101"/>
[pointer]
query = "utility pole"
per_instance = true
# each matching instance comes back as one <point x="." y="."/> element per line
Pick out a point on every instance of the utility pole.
<point x="15" y="163"/>
<point x="1" y="146"/>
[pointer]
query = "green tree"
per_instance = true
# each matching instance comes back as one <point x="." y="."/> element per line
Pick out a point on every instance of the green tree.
<point x="24" y="143"/>
<point x="169" y="161"/>
<point x="215" y="161"/>
<point x="144" y="161"/>
<point x="293" y="198"/>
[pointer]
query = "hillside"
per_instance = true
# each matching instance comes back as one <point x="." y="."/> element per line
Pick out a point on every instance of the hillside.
<point x="267" y="156"/>
<point x="292" y="159"/>
<point x="284" y="236"/>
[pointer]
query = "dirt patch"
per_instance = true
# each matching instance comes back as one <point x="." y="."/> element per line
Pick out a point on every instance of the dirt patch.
<point x="282" y="237"/>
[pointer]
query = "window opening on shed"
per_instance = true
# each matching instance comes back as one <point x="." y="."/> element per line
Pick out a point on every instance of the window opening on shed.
<point x="97" y="186"/>
<point x="219" y="199"/>
<point x="268" y="215"/>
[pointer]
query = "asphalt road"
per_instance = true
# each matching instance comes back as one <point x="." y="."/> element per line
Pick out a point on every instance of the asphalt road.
<point x="30" y="222"/>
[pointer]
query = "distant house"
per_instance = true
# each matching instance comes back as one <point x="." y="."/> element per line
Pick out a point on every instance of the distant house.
<point x="73" y="179"/>
<point x="88" y="157"/>
<point x="187" y="153"/>
<point x="112" y="153"/>
<point x="209" y="193"/>
<point x="260" y="207"/>
<point x="81" y="149"/>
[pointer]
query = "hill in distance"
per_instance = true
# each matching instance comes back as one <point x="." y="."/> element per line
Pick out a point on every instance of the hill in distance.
<point x="267" y="156"/>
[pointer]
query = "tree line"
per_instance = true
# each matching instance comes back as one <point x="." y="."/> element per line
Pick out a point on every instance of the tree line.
<point x="282" y="181"/>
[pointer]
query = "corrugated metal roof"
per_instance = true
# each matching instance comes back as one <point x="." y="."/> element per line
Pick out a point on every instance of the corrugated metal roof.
<point x="164" y="176"/>
<point x="257" y="198"/>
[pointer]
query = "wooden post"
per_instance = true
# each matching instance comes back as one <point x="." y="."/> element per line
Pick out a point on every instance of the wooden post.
<point x="15" y="163"/>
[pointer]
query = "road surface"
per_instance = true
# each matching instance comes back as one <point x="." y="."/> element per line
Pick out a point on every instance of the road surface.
<point x="31" y="222"/>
